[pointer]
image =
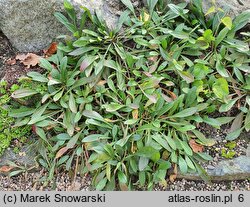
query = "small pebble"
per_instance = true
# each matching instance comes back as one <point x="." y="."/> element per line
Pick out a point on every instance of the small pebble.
<point x="210" y="167"/>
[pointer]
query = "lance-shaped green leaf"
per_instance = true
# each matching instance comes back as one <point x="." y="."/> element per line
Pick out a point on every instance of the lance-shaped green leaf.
<point x="24" y="92"/>
<point x="185" y="113"/>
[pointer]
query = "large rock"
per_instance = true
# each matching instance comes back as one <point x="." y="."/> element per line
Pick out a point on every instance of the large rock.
<point x="232" y="7"/>
<point x="31" y="26"/>
<point x="26" y="157"/>
<point x="234" y="169"/>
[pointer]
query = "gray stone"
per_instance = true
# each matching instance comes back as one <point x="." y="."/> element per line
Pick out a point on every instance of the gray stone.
<point x="233" y="7"/>
<point x="24" y="158"/>
<point x="248" y="151"/>
<point x="30" y="25"/>
<point x="234" y="169"/>
<point x="210" y="167"/>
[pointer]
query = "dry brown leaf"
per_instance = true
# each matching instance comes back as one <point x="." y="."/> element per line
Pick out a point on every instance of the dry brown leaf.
<point x="172" y="94"/>
<point x="20" y="57"/>
<point x="173" y="176"/>
<point x="29" y="60"/>
<point x="51" y="50"/>
<point x="11" y="61"/>
<point x="6" y="169"/>
<point x="123" y="187"/>
<point x="61" y="152"/>
<point x="195" y="146"/>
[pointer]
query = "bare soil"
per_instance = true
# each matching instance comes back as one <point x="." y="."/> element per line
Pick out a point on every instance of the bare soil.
<point x="10" y="68"/>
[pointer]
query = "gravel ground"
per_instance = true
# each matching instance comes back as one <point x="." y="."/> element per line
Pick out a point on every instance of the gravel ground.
<point x="216" y="150"/>
<point x="29" y="182"/>
<point x="184" y="185"/>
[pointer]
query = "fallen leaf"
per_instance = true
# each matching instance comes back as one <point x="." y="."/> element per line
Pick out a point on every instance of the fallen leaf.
<point x="20" y="57"/>
<point x="51" y="50"/>
<point x="61" y="152"/>
<point x="30" y="59"/>
<point x="195" y="146"/>
<point x="5" y="169"/>
<point x="173" y="175"/>
<point x="11" y="61"/>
